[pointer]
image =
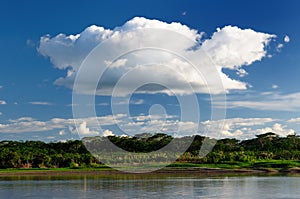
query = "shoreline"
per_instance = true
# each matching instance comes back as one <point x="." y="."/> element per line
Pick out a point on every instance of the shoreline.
<point x="197" y="171"/>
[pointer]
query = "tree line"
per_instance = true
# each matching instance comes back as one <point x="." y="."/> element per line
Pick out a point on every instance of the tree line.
<point x="73" y="153"/>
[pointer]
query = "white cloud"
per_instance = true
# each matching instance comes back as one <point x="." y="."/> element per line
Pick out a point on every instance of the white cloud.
<point x="22" y="119"/>
<point x="279" y="46"/>
<point x="108" y="133"/>
<point x="241" y="72"/>
<point x="138" y="102"/>
<point x="241" y="128"/>
<point x="1" y="113"/>
<point x="286" y="39"/>
<point x="122" y="101"/>
<point x="274" y="86"/>
<point x="235" y="134"/>
<point x="116" y="64"/>
<point x="269" y="101"/>
<point x="294" y="120"/>
<point x="103" y="104"/>
<point x="62" y="132"/>
<point x="83" y="130"/>
<point x="28" y="124"/>
<point x="278" y="129"/>
<point x="40" y="103"/>
<point x="3" y="102"/>
<point x="184" y="13"/>
<point x="232" y="127"/>
<point x="25" y="126"/>
<point x="245" y="128"/>
<point x="230" y="47"/>
<point x="90" y="126"/>
<point x="65" y="51"/>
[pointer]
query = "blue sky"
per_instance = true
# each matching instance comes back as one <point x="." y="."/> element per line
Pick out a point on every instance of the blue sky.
<point x="33" y="106"/>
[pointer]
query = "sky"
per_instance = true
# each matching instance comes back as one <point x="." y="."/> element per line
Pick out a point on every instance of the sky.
<point x="220" y="69"/>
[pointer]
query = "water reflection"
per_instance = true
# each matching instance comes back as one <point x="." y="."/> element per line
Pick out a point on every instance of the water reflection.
<point x="149" y="186"/>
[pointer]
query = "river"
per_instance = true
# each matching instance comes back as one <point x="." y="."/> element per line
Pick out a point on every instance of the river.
<point x="273" y="187"/>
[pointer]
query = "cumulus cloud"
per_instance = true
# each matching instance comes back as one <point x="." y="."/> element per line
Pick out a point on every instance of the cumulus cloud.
<point x="70" y="50"/>
<point x="245" y="128"/>
<point x="28" y="124"/>
<point x="274" y="86"/>
<point x="230" y="47"/>
<point x="286" y="39"/>
<point x="3" y="102"/>
<point x="108" y="133"/>
<point x="241" y="128"/>
<point x="278" y="129"/>
<point x="90" y="126"/>
<point x="233" y="127"/>
<point x="83" y="130"/>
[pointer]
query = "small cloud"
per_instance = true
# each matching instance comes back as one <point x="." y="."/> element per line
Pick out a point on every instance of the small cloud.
<point x="40" y="103"/>
<point x="50" y="137"/>
<point x="123" y="136"/>
<point x="279" y="46"/>
<point x="108" y="133"/>
<point x="16" y="103"/>
<point x="274" y="86"/>
<point x="184" y="13"/>
<point x="62" y="132"/>
<point x="30" y="43"/>
<point x="1" y="113"/>
<point x="116" y="64"/>
<point x="3" y="102"/>
<point x="286" y="39"/>
<point x="103" y="104"/>
<point x="71" y="105"/>
<point x="241" y="72"/>
<point x="137" y="102"/>
<point x="1" y="86"/>
<point x="83" y="130"/>
<point x="294" y="120"/>
<point x="22" y="119"/>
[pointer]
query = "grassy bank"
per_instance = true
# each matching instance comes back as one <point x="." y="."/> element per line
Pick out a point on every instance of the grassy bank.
<point x="275" y="166"/>
<point x="267" y="164"/>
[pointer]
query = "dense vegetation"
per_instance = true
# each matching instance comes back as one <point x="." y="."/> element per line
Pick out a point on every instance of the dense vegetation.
<point x="37" y="154"/>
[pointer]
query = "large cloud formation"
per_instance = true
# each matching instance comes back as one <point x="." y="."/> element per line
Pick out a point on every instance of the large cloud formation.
<point x="241" y="128"/>
<point x="229" y="47"/>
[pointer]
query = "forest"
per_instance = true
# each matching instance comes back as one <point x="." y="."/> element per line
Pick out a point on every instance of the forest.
<point x="73" y="153"/>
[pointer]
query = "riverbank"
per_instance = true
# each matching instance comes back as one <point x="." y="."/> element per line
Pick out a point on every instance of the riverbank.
<point x="198" y="171"/>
